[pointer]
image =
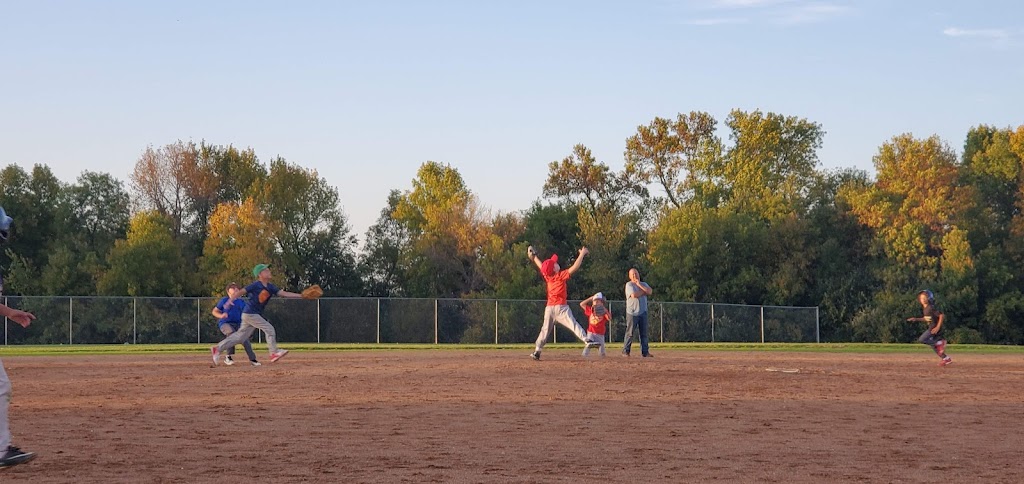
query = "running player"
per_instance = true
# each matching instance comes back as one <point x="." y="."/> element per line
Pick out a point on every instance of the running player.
<point x="934" y="317"/>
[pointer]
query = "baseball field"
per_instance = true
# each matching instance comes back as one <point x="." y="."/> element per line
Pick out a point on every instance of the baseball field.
<point x="690" y="414"/>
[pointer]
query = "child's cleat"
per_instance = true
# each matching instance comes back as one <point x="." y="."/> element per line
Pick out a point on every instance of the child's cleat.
<point x="255" y="363"/>
<point x="535" y="355"/>
<point x="228" y="361"/>
<point x="946" y="361"/>
<point x="14" y="456"/>
<point x="216" y="355"/>
<point x="277" y="356"/>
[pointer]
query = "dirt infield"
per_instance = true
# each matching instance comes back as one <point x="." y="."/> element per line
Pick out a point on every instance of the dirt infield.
<point x="498" y="416"/>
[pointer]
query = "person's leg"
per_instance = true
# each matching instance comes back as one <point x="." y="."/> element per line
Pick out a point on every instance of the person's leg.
<point x="627" y="339"/>
<point x="545" y="329"/>
<point x="247" y="345"/>
<point x="586" y="347"/>
<point x="243" y="334"/>
<point x="226" y="330"/>
<point x="564" y="316"/>
<point x="931" y="340"/>
<point x="642" y="329"/>
<point x="257" y="321"/>
<point x="5" y="400"/>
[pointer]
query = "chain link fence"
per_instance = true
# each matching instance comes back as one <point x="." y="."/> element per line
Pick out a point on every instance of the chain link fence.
<point x="126" y="320"/>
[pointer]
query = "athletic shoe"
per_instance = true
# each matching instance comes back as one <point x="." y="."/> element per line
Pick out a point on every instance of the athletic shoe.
<point x="946" y="361"/>
<point x="940" y="347"/>
<point x="228" y="361"/>
<point x="277" y="356"/>
<point x="255" y="363"/>
<point x="216" y="355"/>
<point x="535" y="355"/>
<point x="648" y="355"/>
<point x="625" y="354"/>
<point x="530" y="253"/>
<point x="15" y="456"/>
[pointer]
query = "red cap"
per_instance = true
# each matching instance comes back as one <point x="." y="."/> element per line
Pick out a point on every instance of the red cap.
<point x="548" y="267"/>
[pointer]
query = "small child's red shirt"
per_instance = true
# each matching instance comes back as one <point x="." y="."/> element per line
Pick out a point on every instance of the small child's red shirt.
<point x="599" y="326"/>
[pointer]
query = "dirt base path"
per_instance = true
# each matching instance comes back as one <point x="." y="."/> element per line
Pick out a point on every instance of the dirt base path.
<point x="498" y="416"/>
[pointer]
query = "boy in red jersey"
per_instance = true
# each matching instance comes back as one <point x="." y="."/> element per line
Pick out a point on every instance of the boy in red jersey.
<point x="598" y="315"/>
<point x="557" y="309"/>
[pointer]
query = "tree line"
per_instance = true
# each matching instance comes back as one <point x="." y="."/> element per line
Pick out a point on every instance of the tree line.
<point x="751" y="218"/>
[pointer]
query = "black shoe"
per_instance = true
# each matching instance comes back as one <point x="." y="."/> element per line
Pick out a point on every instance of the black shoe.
<point x="15" y="456"/>
<point x="535" y="355"/>
<point x="648" y="355"/>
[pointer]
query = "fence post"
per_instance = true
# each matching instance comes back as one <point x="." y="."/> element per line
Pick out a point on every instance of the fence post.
<point x="71" y="317"/>
<point x="712" y="322"/>
<point x="378" y="320"/>
<point x="435" y="321"/>
<point x="198" y="340"/>
<point x="135" y="321"/>
<point x="318" y="320"/>
<point x="817" y="324"/>
<point x="762" y="324"/>
<point x="662" y="306"/>
<point x="495" y="322"/>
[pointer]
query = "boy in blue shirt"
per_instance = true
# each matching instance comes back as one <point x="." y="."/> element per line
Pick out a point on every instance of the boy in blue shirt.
<point x="259" y="292"/>
<point x="229" y="320"/>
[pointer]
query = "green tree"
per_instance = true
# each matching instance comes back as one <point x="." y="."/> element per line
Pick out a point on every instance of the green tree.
<point x="312" y="233"/>
<point x="148" y="262"/>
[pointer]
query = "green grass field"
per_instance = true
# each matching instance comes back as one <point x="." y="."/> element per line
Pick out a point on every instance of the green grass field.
<point x="58" y="350"/>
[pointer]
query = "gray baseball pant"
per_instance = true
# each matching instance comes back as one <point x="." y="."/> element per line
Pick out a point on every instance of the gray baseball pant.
<point x="5" y="400"/>
<point x="250" y="323"/>
<point x="561" y="315"/>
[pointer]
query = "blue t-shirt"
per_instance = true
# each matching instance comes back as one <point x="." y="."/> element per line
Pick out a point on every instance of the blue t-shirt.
<point x="259" y="295"/>
<point x="233" y="314"/>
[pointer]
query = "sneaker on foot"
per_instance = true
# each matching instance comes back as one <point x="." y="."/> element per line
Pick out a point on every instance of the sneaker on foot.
<point x="946" y="361"/>
<point x="277" y="356"/>
<point x="14" y="456"/>
<point x="255" y="363"/>
<point x="535" y="355"/>
<point x="228" y="361"/>
<point x="216" y="355"/>
<point x="648" y="355"/>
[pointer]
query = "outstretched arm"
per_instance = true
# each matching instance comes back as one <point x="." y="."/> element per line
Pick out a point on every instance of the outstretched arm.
<point x="289" y="295"/>
<point x="23" y="318"/>
<point x="579" y="261"/>
<point x="533" y="256"/>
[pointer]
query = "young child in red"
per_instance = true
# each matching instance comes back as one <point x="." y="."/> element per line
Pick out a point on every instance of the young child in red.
<point x="557" y="309"/>
<point x="596" y="309"/>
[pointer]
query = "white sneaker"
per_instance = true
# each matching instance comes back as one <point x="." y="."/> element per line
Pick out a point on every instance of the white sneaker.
<point x="277" y="356"/>
<point x="216" y="355"/>
<point x="228" y="361"/>
<point x="255" y="363"/>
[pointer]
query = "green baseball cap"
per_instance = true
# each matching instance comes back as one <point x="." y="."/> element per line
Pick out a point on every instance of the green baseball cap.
<point x="258" y="269"/>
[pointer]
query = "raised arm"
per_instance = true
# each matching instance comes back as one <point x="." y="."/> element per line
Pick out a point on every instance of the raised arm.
<point x="579" y="261"/>
<point x="532" y="254"/>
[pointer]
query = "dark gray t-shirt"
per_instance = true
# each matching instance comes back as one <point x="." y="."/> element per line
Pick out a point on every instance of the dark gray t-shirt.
<point x="635" y="305"/>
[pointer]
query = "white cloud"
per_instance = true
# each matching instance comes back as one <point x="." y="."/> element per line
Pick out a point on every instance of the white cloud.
<point x="783" y="12"/>
<point x="993" y="34"/>
<point x="718" y="21"/>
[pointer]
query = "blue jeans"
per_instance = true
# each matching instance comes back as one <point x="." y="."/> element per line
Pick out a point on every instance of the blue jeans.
<point x="931" y="339"/>
<point x="638" y="321"/>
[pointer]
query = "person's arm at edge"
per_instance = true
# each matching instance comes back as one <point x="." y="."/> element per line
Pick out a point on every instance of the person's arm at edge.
<point x="579" y="261"/>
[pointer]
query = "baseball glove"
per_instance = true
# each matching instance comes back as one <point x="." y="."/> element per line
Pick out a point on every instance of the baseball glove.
<point x="312" y="292"/>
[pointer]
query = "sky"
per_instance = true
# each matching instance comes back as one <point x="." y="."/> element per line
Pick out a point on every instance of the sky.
<point x="366" y="92"/>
